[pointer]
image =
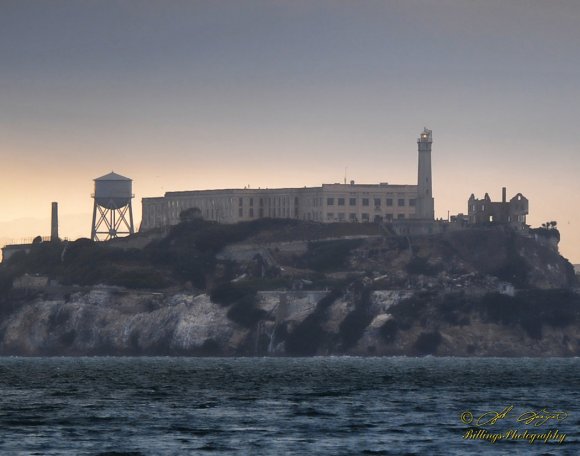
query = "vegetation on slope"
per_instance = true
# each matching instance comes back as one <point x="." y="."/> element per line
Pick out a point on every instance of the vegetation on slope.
<point x="530" y="310"/>
<point x="432" y="265"/>
<point x="308" y="336"/>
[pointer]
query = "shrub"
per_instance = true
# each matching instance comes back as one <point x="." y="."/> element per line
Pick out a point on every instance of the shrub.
<point x="5" y="283"/>
<point x="192" y="266"/>
<point x="329" y="255"/>
<point x="389" y="330"/>
<point x="228" y="293"/>
<point x="532" y="326"/>
<point x="515" y="269"/>
<point x="420" y="265"/>
<point x="410" y="310"/>
<point x="548" y="233"/>
<point x="139" y="279"/>
<point x="308" y="335"/>
<point x="530" y="310"/>
<point x="242" y="299"/>
<point x="427" y="343"/>
<point x="352" y="327"/>
<point x="245" y="313"/>
<point x="190" y="215"/>
<point x="454" y="309"/>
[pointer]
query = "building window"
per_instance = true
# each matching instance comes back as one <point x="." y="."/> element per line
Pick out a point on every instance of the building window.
<point x="401" y="202"/>
<point x="365" y="201"/>
<point x="241" y="202"/>
<point x="261" y="202"/>
<point x="330" y="216"/>
<point x="412" y="202"/>
<point x="251" y="201"/>
<point x="341" y="201"/>
<point x="352" y="201"/>
<point x="401" y="216"/>
<point x="330" y="201"/>
<point x="261" y="212"/>
<point x="352" y="217"/>
<point x="241" y="212"/>
<point x="341" y="216"/>
<point x="388" y="217"/>
<point x="365" y="217"/>
<point x="389" y="202"/>
<point x="377" y="202"/>
<point x="251" y="210"/>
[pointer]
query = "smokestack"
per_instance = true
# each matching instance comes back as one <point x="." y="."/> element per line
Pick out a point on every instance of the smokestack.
<point x="503" y="195"/>
<point x="54" y="223"/>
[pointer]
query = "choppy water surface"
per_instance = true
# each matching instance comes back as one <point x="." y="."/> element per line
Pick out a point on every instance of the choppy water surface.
<point x="332" y="406"/>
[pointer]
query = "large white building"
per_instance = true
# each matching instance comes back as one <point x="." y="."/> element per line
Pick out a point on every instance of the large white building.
<point x="347" y="202"/>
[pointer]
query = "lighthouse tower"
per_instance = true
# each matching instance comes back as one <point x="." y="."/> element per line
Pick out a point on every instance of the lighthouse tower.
<point x="424" y="206"/>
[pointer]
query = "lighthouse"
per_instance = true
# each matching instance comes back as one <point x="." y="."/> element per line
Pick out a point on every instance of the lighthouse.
<point x="425" y="204"/>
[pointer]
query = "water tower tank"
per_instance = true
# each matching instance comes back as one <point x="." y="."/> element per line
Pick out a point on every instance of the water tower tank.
<point x="113" y="191"/>
<point x="112" y="210"/>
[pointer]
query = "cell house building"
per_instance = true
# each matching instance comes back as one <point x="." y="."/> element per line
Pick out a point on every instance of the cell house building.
<point x="348" y="202"/>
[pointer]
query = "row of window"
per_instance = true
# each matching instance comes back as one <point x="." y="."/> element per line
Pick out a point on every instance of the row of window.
<point x="281" y="201"/>
<point x="365" y="217"/>
<point x="517" y="207"/>
<point x="277" y="212"/>
<point x="401" y="202"/>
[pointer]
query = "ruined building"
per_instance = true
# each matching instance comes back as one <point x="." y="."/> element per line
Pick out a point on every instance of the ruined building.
<point x="512" y="212"/>
<point x="348" y="202"/>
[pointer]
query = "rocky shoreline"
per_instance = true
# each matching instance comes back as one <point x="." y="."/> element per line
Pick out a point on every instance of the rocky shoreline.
<point x="114" y="322"/>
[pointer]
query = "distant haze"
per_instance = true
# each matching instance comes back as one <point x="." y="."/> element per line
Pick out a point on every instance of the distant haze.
<point x="182" y="95"/>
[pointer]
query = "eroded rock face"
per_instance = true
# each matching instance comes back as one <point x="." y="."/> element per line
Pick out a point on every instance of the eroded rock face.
<point x="121" y="323"/>
<point x="107" y="321"/>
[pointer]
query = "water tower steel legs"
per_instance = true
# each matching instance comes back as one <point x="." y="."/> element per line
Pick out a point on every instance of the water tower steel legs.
<point x="111" y="222"/>
<point x="131" y="218"/>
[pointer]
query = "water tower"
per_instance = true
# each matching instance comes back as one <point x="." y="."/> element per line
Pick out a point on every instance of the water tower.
<point x="113" y="195"/>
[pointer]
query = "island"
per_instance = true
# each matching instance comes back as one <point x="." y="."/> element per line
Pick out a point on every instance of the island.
<point x="278" y="287"/>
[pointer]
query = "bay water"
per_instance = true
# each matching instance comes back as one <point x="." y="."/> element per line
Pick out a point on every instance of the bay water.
<point x="289" y="406"/>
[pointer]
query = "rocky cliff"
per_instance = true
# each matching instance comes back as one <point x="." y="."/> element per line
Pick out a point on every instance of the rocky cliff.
<point x="109" y="321"/>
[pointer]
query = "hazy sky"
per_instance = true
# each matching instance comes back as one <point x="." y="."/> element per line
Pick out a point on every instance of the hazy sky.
<point x="183" y="95"/>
